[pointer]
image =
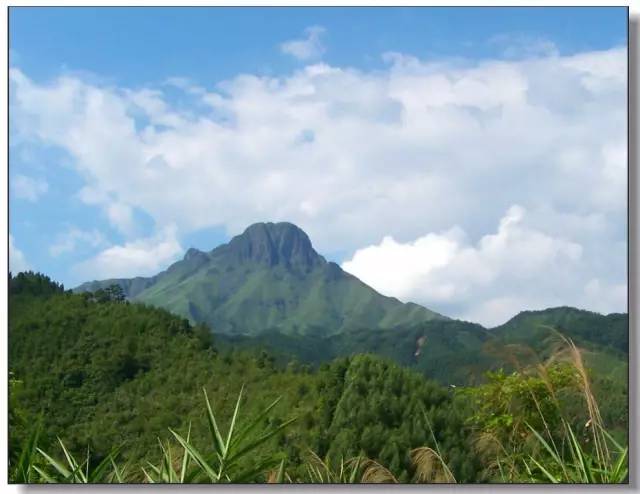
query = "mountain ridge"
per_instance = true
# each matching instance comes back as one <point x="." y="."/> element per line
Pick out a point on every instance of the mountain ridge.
<point x="268" y="277"/>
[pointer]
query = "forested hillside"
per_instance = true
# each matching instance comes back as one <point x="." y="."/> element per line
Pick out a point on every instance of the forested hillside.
<point x="98" y="371"/>
<point x="105" y="372"/>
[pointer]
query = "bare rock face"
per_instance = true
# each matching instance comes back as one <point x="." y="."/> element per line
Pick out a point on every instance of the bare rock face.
<point x="273" y="244"/>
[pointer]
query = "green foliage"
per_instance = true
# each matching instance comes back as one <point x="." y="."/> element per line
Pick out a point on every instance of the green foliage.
<point x="381" y="415"/>
<point x="223" y="462"/>
<point x="455" y="352"/>
<point x="112" y="293"/>
<point x="588" y="329"/>
<point x="22" y="470"/>
<point x="35" y="284"/>
<point x="227" y="452"/>
<point x="577" y="464"/>
<point x="508" y="404"/>
<point x="545" y="426"/>
<point x="116" y="373"/>
<point x="98" y="371"/>
<point x="72" y="471"/>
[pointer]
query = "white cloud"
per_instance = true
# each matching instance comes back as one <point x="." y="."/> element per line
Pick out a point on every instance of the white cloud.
<point x="185" y="84"/>
<point x="516" y="268"/>
<point x="308" y="48"/>
<point x="28" y="188"/>
<point x="353" y="157"/>
<point x="121" y="216"/>
<point x="601" y="296"/>
<point x="17" y="260"/>
<point x="68" y="242"/>
<point x="152" y="105"/>
<point x="524" y="45"/>
<point x="142" y="257"/>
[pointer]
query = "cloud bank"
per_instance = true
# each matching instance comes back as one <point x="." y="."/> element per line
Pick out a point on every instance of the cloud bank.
<point x="355" y="157"/>
<point x="517" y="266"/>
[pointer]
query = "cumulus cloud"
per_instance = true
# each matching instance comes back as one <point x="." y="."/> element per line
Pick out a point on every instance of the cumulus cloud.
<point x="17" y="259"/>
<point x="516" y="268"/>
<point x="142" y="257"/>
<point x="68" y="241"/>
<point x="308" y="48"/>
<point x="353" y="156"/>
<point x="28" y="188"/>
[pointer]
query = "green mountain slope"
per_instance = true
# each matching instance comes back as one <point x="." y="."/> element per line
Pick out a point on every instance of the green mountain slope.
<point x="604" y="338"/>
<point x="268" y="278"/>
<point x="584" y="327"/>
<point x="458" y="352"/>
<point x="105" y="373"/>
<point x="451" y="352"/>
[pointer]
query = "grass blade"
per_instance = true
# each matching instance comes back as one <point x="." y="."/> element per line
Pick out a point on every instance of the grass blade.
<point x="47" y="478"/>
<point x="213" y="427"/>
<point x="265" y="437"/>
<point x="233" y="420"/>
<point x="197" y="457"/>
<point x="551" y="478"/>
<point x="55" y="464"/>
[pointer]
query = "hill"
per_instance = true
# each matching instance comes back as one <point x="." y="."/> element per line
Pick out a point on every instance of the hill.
<point x="100" y="371"/>
<point x="584" y="327"/>
<point x="459" y="352"/>
<point x="105" y="372"/>
<point x="268" y="278"/>
<point x="451" y="352"/>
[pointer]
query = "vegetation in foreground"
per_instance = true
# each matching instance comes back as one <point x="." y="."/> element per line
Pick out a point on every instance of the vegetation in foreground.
<point x="604" y="461"/>
<point x="98" y="372"/>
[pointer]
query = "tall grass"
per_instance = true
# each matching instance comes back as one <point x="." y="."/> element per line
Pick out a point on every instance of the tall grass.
<point x="430" y="466"/>
<point x="604" y="461"/>
<point x="554" y="451"/>
<point x="320" y="471"/>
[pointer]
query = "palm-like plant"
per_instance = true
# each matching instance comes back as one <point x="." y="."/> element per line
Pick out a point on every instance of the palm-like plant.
<point x="72" y="471"/>
<point x="166" y="471"/>
<point x="226" y="459"/>
<point x="23" y="471"/>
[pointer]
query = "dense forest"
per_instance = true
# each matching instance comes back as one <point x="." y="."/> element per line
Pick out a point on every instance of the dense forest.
<point x="134" y="391"/>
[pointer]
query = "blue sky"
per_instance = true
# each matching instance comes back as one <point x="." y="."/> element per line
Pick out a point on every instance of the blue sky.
<point x="141" y="45"/>
<point x="221" y="96"/>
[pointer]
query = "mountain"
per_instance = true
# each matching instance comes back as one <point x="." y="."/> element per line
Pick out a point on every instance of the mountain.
<point x="459" y="352"/>
<point x="604" y="339"/>
<point x="269" y="278"/>
<point x="584" y="327"/>
<point x="448" y="351"/>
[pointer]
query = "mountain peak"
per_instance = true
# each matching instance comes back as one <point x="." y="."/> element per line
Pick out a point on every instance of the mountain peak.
<point x="275" y="243"/>
<point x="193" y="253"/>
